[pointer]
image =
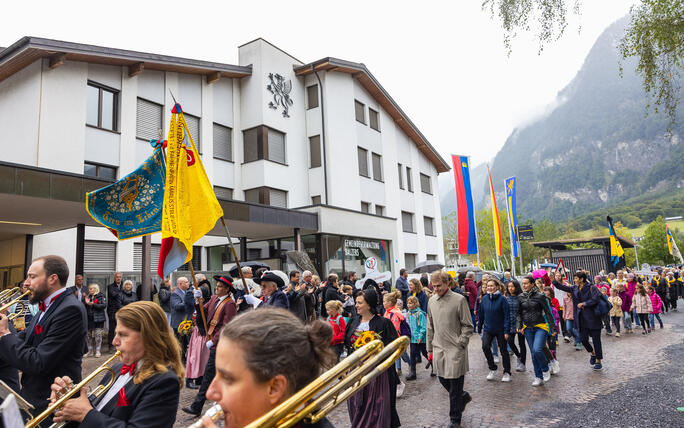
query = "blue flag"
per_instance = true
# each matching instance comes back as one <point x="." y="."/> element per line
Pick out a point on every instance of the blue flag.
<point x="133" y="205"/>
<point x="512" y="214"/>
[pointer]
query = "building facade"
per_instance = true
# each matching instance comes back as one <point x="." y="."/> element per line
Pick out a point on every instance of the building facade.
<point x="312" y="156"/>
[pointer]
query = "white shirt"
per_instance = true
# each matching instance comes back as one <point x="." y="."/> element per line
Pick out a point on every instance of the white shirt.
<point x="118" y="385"/>
<point x="48" y="302"/>
<point x="79" y="294"/>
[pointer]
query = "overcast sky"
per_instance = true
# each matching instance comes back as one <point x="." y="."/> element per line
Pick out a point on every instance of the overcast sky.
<point x="443" y="62"/>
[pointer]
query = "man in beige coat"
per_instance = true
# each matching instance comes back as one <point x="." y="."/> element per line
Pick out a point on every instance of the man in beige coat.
<point x="449" y="329"/>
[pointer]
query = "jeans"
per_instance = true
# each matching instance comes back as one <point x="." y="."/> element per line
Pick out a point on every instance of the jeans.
<point x="651" y="317"/>
<point x="487" y="341"/>
<point x="595" y="335"/>
<point x="570" y="326"/>
<point x="635" y="315"/>
<point x="627" y="320"/>
<point x="616" y="323"/>
<point x="522" y="352"/>
<point x="456" y="396"/>
<point x="404" y="357"/>
<point x="536" y="338"/>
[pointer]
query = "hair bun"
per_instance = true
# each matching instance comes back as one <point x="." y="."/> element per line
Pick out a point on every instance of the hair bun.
<point x="320" y="335"/>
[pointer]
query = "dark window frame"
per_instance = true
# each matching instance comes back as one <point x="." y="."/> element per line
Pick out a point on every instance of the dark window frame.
<point x="377" y="119"/>
<point x="368" y="207"/>
<point x="413" y="222"/>
<point x="363" y="109"/>
<point x="262" y="144"/>
<point x="382" y="209"/>
<point x="432" y="226"/>
<point x="311" y="158"/>
<point x="367" y="174"/>
<point x="265" y="196"/>
<point x="429" y="183"/>
<point x="232" y="191"/>
<point x="409" y="181"/>
<point x="97" y="169"/>
<point x="400" y="171"/>
<point x="213" y="142"/>
<point x="314" y="201"/>
<point x="115" y="108"/>
<point x="308" y="96"/>
<point x="379" y="156"/>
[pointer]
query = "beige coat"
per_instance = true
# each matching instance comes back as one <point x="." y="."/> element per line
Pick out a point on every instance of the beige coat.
<point x="449" y="328"/>
<point x="642" y="304"/>
<point x="616" y="310"/>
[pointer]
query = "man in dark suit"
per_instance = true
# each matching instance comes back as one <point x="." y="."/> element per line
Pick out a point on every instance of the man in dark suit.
<point x="179" y="312"/>
<point x="52" y="344"/>
<point x="271" y="285"/>
<point x="221" y="308"/>
<point x="114" y="291"/>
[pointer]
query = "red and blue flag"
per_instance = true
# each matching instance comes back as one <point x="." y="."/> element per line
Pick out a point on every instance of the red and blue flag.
<point x="467" y="237"/>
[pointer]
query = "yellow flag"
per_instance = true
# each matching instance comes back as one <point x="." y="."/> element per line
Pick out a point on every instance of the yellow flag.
<point x="190" y="205"/>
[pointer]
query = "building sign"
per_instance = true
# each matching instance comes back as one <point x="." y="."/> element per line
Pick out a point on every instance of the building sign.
<point x="358" y="243"/>
<point x="280" y="89"/>
<point x="525" y="232"/>
<point x="353" y="252"/>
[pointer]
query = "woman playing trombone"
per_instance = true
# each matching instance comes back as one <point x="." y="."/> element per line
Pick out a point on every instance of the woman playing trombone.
<point x="147" y="382"/>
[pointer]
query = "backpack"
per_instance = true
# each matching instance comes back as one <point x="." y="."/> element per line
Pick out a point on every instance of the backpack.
<point x="603" y="306"/>
<point x="404" y="328"/>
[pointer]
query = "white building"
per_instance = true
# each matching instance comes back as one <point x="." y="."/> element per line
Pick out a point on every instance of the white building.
<point x="341" y="170"/>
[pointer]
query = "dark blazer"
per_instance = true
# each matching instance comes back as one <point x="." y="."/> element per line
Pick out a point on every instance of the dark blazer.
<point x="153" y="403"/>
<point x="278" y="299"/>
<point x="56" y="351"/>
<point x="589" y="295"/>
<point x="10" y="376"/>
<point x="228" y="312"/>
<point x="114" y="297"/>
<point x="165" y="298"/>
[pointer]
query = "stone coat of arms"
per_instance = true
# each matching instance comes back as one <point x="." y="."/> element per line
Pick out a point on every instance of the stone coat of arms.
<point x="280" y="88"/>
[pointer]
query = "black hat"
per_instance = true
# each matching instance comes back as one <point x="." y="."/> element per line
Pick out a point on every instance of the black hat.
<point x="270" y="276"/>
<point x="225" y="280"/>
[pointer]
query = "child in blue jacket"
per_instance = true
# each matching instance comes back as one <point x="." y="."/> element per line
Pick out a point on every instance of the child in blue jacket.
<point x="418" y="323"/>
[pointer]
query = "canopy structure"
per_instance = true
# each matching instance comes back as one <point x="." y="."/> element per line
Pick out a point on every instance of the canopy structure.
<point x="592" y="259"/>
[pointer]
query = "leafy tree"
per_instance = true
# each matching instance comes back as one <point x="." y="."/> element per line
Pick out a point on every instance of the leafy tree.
<point x="655" y="35"/>
<point x="653" y="248"/>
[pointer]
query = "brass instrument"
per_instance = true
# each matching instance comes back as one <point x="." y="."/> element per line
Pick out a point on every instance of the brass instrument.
<point x="5" y="294"/>
<point x="14" y="300"/>
<point x="73" y="390"/>
<point x="332" y="388"/>
<point x="20" y="313"/>
<point x="214" y="413"/>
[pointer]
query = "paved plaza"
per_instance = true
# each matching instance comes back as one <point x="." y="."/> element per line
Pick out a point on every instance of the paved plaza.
<point x="640" y="385"/>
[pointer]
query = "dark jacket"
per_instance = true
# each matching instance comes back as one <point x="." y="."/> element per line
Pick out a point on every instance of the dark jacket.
<point x="96" y="311"/>
<point x="422" y="301"/>
<point x="128" y="297"/>
<point x="152" y="404"/>
<point x="589" y="295"/>
<point x="513" y="304"/>
<point x="535" y="309"/>
<point x="164" y="296"/>
<point x="493" y="315"/>
<point x="277" y="299"/>
<point x="331" y="293"/>
<point x="178" y="313"/>
<point x="114" y="297"/>
<point x="402" y="285"/>
<point x="300" y="302"/>
<point x="10" y="376"/>
<point x="56" y="351"/>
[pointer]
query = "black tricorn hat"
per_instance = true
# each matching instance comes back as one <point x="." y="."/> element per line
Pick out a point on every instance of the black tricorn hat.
<point x="270" y="276"/>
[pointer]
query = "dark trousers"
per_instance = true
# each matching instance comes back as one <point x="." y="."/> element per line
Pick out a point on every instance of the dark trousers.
<point x="666" y="301"/>
<point x="456" y="396"/>
<point x="183" y="341"/>
<point x="209" y="373"/>
<point x="673" y="297"/>
<point x="616" y="323"/>
<point x="595" y="335"/>
<point x="551" y="344"/>
<point x="606" y="322"/>
<point x="644" y="321"/>
<point x="564" y="328"/>
<point x="487" y="338"/>
<point x="519" y="352"/>
<point x="416" y="350"/>
<point x="112" y="328"/>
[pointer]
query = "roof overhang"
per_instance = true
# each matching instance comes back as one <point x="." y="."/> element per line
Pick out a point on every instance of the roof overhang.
<point x="29" y="49"/>
<point x="371" y="84"/>
<point x="601" y="240"/>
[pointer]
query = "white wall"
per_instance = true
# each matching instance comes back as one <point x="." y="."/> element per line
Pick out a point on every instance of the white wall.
<point x="61" y="243"/>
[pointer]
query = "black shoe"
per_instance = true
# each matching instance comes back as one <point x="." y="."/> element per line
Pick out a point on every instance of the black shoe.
<point x="465" y="400"/>
<point x="192" y="385"/>
<point x="191" y="411"/>
<point x="411" y="376"/>
<point x="432" y="374"/>
<point x="428" y="365"/>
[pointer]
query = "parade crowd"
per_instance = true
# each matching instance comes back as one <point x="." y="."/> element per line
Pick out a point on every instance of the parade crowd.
<point x="250" y="342"/>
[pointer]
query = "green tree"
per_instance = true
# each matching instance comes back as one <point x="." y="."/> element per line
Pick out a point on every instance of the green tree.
<point x="655" y="35"/>
<point x="653" y="248"/>
<point x="449" y="234"/>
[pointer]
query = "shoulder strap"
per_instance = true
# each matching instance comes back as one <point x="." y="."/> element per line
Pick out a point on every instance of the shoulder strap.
<point x="215" y="318"/>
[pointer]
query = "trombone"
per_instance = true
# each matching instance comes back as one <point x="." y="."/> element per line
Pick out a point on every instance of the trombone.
<point x="15" y="300"/>
<point x="8" y="294"/>
<point x="73" y="390"/>
<point x="332" y="388"/>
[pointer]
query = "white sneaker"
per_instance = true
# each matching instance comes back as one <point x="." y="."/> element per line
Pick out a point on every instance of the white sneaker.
<point x="506" y="378"/>
<point x="400" y="389"/>
<point x="496" y="359"/>
<point x="555" y="367"/>
<point x="547" y="375"/>
<point x="491" y="375"/>
<point x="538" y="382"/>
<point x="617" y="334"/>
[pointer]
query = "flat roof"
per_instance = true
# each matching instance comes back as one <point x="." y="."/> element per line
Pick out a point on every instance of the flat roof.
<point x="28" y="49"/>
<point x="360" y="72"/>
<point x="563" y="243"/>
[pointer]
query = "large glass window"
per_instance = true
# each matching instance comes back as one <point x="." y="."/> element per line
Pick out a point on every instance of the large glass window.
<point x="358" y="250"/>
<point x="102" y="105"/>
<point x="99" y="171"/>
<point x="332" y="247"/>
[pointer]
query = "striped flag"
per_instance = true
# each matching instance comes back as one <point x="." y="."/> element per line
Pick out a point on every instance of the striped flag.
<point x="467" y="238"/>
<point x="495" y="217"/>
<point x="616" y="251"/>
<point x="672" y="245"/>
<point x="512" y="213"/>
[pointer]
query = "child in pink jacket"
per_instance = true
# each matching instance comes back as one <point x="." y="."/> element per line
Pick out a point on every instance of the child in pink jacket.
<point x="657" y="303"/>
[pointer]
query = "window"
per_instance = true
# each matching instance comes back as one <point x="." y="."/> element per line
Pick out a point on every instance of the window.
<point x="99" y="171"/>
<point x="312" y="96"/>
<point x="407" y="222"/>
<point x="377" y="167"/>
<point x="425" y="185"/>
<point x="373" y="119"/>
<point x="193" y="123"/>
<point x="432" y="257"/>
<point x="365" y="207"/>
<point x="360" y="110"/>
<point x="223" y="192"/>
<point x="155" y="249"/>
<point x="316" y="200"/>
<point x="401" y="176"/>
<point x="363" y="162"/>
<point x="264" y="143"/>
<point x="196" y="259"/>
<point x="102" y="105"/>
<point x="429" y="224"/>
<point x="267" y="196"/>
<point x="315" y="151"/>
<point x="379" y="210"/>
<point x="148" y="120"/>
<point x="223" y="144"/>
<point x="409" y="261"/>
<point x="99" y="256"/>
<point x="409" y="180"/>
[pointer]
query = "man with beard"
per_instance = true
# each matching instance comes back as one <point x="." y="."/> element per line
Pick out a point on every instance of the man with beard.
<point x="52" y="344"/>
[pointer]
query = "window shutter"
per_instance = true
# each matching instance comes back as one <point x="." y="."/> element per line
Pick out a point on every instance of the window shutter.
<point x="425" y="185"/>
<point x="250" y="144"/>
<point x="315" y="151"/>
<point x="223" y="145"/>
<point x="193" y="123"/>
<point x="223" y="192"/>
<point x="148" y="120"/>
<point x="428" y="223"/>
<point x="276" y="146"/>
<point x="154" y="257"/>
<point x="363" y="161"/>
<point x="377" y="167"/>
<point x="277" y="198"/>
<point x="407" y="221"/>
<point x="99" y="256"/>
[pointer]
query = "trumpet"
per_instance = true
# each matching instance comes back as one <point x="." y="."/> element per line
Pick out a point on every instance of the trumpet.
<point x="73" y="390"/>
<point x="329" y="390"/>
<point x="7" y="294"/>
<point x="15" y="300"/>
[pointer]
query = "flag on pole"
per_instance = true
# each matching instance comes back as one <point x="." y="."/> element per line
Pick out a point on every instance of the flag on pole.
<point x="672" y="245"/>
<point x="467" y="238"/>
<point x="616" y="251"/>
<point x="132" y="206"/>
<point x="495" y="217"/>
<point x="512" y="213"/>
<point x="187" y="188"/>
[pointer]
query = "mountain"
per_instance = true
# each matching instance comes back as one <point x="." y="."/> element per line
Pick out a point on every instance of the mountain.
<point x="447" y="189"/>
<point x="600" y="145"/>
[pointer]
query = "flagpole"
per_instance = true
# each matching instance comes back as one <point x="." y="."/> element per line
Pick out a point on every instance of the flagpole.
<point x="235" y="256"/>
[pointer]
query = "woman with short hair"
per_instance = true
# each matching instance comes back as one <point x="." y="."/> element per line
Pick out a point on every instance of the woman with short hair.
<point x="128" y="295"/>
<point x="148" y="379"/>
<point x="96" y="304"/>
